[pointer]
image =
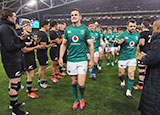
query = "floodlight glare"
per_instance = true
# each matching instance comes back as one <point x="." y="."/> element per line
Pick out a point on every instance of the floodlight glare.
<point x="32" y="2"/>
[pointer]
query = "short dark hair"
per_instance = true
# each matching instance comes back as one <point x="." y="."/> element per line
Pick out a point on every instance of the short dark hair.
<point x="90" y="23"/>
<point x="114" y="28"/>
<point x="131" y="21"/>
<point x="44" y="22"/>
<point x="5" y="13"/>
<point x="146" y="24"/>
<point x="53" y="23"/>
<point x="98" y="26"/>
<point x="109" y="28"/>
<point x="147" y="19"/>
<point x="76" y="9"/>
<point x="120" y="29"/>
<point x="63" y="22"/>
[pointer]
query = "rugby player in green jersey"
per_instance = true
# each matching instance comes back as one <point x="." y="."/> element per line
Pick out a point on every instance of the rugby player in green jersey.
<point x="77" y="38"/>
<point x="101" y="47"/>
<point x="116" y="49"/>
<point x="96" y="37"/>
<point x="127" y="57"/>
<point x="109" y="38"/>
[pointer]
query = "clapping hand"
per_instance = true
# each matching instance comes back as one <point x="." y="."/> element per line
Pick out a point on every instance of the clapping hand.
<point x="139" y="57"/>
<point x="28" y="43"/>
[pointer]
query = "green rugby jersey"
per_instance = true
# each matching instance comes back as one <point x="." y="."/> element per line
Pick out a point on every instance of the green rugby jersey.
<point x="116" y="35"/>
<point x="77" y="42"/>
<point x="102" y="35"/>
<point x="96" y="40"/>
<point x="108" y="36"/>
<point x="128" y="47"/>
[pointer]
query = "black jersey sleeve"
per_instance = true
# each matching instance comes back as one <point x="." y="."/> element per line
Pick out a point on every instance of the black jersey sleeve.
<point x="152" y="58"/>
<point x="30" y="38"/>
<point x="142" y="35"/>
<point x="9" y="40"/>
<point x="53" y="35"/>
<point x="43" y="37"/>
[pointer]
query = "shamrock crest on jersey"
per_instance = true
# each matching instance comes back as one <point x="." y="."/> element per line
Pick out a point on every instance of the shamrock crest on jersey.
<point x="136" y="37"/>
<point x="82" y="32"/>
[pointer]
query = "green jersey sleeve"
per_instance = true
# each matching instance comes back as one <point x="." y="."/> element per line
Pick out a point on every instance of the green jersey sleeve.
<point x="88" y="34"/>
<point x="121" y="36"/>
<point x="65" y="35"/>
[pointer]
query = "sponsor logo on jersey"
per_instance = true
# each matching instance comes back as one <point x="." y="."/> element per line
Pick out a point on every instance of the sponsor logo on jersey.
<point x="96" y="34"/>
<point x="17" y="74"/>
<point x="82" y="32"/>
<point x="75" y="38"/>
<point x="132" y="43"/>
<point x="93" y="38"/>
<point x="69" y="31"/>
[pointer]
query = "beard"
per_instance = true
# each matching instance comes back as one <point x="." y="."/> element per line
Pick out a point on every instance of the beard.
<point x="131" y="31"/>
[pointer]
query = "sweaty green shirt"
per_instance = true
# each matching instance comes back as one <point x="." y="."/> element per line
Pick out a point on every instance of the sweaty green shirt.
<point x="96" y="40"/>
<point x="128" y="47"/>
<point x="108" y="36"/>
<point x="77" y="42"/>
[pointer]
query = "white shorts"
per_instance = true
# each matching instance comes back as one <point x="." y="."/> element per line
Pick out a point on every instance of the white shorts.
<point x="88" y="56"/>
<point x="126" y="63"/>
<point x="104" y="45"/>
<point x="111" y="49"/>
<point x="117" y="48"/>
<point x="75" y="68"/>
<point x="96" y="54"/>
<point x="100" y="49"/>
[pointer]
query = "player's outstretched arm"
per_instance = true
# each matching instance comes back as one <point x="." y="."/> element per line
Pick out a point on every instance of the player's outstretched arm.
<point x="121" y="41"/>
<point x="62" y="51"/>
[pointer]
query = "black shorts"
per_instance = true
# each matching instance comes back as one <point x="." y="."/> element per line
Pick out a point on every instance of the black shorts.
<point x="13" y="70"/>
<point x="29" y="62"/>
<point x="54" y="54"/>
<point x="42" y="58"/>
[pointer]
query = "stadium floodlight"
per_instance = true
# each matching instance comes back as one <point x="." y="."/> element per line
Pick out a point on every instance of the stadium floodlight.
<point x="32" y="2"/>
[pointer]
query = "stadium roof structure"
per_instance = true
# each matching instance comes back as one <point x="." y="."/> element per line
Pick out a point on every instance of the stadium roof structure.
<point x="88" y="7"/>
<point x="100" y="10"/>
<point x="29" y="7"/>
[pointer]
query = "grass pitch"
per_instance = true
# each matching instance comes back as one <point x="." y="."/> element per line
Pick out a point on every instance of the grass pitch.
<point x="103" y="96"/>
